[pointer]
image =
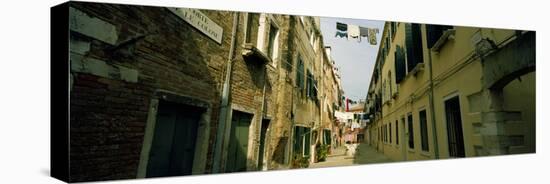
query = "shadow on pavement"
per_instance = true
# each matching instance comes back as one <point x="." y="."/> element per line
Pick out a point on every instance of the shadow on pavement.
<point x="366" y="154"/>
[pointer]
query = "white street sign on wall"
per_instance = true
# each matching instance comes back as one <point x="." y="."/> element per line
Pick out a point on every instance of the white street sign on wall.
<point x="200" y="21"/>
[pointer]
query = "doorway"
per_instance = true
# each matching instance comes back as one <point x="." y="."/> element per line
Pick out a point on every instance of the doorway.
<point x="173" y="147"/>
<point x="238" y="142"/>
<point x="403" y="139"/>
<point x="454" y="127"/>
<point x="263" y="135"/>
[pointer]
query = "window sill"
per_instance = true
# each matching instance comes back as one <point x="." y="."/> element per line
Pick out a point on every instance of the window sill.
<point x="447" y="35"/>
<point x="252" y="53"/>
<point x="410" y="150"/>
<point x="425" y="153"/>
<point x="418" y="68"/>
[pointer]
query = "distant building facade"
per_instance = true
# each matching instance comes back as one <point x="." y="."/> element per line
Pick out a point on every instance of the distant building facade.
<point x="451" y="91"/>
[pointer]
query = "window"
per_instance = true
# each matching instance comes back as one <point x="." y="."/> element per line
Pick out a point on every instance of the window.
<point x="386" y="133"/>
<point x="455" y="136"/>
<point x="393" y="27"/>
<point x="390" y="84"/>
<point x="250" y="17"/>
<point x="327" y="137"/>
<point x="302" y="140"/>
<point x="311" y="38"/>
<point x="389" y="130"/>
<point x="387" y="50"/>
<point x="300" y="74"/>
<point x="413" y="45"/>
<point x="396" y="133"/>
<point x="410" y="132"/>
<point x="400" y="65"/>
<point x="434" y="32"/>
<point x="383" y="91"/>
<point x="273" y="46"/>
<point x="311" y="89"/>
<point x="424" y="130"/>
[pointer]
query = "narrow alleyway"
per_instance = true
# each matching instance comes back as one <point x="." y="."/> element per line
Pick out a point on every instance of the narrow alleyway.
<point x="364" y="155"/>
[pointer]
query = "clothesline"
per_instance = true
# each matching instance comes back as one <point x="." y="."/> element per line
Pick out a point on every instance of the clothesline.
<point x="356" y="32"/>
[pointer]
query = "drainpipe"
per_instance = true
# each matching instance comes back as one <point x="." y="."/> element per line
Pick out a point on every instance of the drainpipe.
<point x="290" y="148"/>
<point x="224" y="109"/>
<point x="432" y="108"/>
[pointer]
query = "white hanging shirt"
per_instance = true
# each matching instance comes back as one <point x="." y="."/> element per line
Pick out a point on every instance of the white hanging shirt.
<point x="353" y="31"/>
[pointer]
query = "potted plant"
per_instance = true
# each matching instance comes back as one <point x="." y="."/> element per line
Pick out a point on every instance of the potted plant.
<point x="300" y="161"/>
<point x="322" y="152"/>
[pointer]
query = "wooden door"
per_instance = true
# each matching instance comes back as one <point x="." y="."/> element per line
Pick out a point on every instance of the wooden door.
<point x="173" y="147"/>
<point x="238" y="143"/>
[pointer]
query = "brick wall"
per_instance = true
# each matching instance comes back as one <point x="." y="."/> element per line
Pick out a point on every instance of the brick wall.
<point x="108" y="114"/>
<point x="114" y="84"/>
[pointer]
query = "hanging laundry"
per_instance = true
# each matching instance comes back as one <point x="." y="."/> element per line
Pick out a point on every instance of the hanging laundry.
<point x="341" y="26"/>
<point x="363" y="31"/>
<point x="341" y="30"/>
<point x="353" y="31"/>
<point x="372" y="35"/>
<point x="340" y="34"/>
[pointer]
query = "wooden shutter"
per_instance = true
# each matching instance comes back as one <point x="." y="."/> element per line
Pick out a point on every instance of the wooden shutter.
<point x="300" y="74"/>
<point x="409" y="46"/>
<point x="400" y="67"/>
<point x="417" y="41"/>
<point x="413" y="44"/>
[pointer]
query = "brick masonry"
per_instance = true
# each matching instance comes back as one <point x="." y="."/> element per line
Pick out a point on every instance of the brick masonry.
<point x="114" y="83"/>
<point x="108" y="116"/>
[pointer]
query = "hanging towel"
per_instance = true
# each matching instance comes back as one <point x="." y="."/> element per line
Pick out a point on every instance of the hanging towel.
<point x="363" y="31"/>
<point x="341" y="34"/>
<point x="372" y="35"/>
<point x="353" y="31"/>
<point x="341" y="26"/>
<point x="341" y="30"/>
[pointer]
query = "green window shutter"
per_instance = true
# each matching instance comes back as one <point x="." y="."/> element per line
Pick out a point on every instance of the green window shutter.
<point x="417" y="41"/>
<point x="409" y="46"/>
<point x="300" y="74"/>
<point x="413" y="44"/>
<point x="400" y="65"/>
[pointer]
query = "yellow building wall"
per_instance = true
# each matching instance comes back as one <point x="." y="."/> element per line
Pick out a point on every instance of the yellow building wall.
<point x="455" y="73"/>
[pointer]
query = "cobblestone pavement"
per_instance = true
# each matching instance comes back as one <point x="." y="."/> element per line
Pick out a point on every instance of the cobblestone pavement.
<point x="363" y="155"/>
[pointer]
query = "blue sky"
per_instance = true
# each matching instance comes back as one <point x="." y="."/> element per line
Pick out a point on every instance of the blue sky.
<point x="355" y="59"/>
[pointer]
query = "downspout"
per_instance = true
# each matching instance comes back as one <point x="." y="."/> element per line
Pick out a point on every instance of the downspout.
<point x="432" y="107"/>
<point x="224" y="109"/>
<point x="291" y="140"/>
<point x="321" y="93"/>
